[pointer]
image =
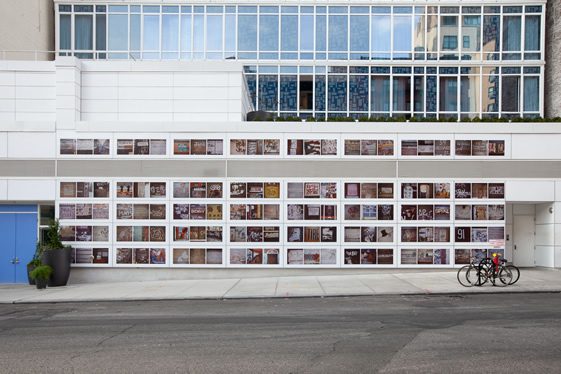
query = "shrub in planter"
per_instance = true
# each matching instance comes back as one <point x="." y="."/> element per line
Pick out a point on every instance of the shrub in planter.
<point x="41" y="274"/>
<point x="35" y="261"/>
<point x="56" y="255"/>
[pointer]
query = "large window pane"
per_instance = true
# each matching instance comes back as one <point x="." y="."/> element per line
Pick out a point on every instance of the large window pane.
<point x="186" y="24"/>
<point x="83" y="32"/>
<point x="360" y="34"/>
<point x="214" y="33"/>
<point x="321" y="29"/>
<point x="358" y="93"/>
<point x="402" y="34"/>
<point x="337" y="93"/>
<point x="338" y="32"/>
<point x="532" y="33"/>
<point x="199" y="34"/>
<point x="469" y="94"/>
<point x="306" y="33"/>
<point x="381" y="34"/>
<point x="448" y="94"/>
<point x="320" y="92"/>
<point x="419" y="93"/>
<point x="512" y="33"/>
<point x="289" y="33"/>
<point x="531" y="94"/>
<point x="247" y="33"/>
<point x="306" y="92"/>
<point x="419" y="36"/>
<point x="118" y="32"/>
<point x="230" y="33"/>
<point x="100" y="32"/>
<point x="268" y="33"/>
<point x="471" y="35"/>
<point x="491" y="41"/>
<point x="288" y="92"/>
<point x="65" y="32"/>
<point x="135" y="32"/>
<point x="170" y="32"/>
<point x="401" y="94"/>
<point x="510" y="100"/>
<point x="490" y="92"/>
<point x="151" y="39"/>
<point x="449" y="36"/>
<point x="380" y="94"/>
<point x="268" y="92"/>
<point x="432" y="35"/>
<point x="431" y="94"/>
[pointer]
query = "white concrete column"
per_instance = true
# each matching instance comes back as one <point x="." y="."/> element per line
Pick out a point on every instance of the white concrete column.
<point x="68" y="91"/>
<point x="557" y="222"/>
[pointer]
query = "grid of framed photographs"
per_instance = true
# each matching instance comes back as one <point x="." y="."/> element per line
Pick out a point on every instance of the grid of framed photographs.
<point x="288" y="222"/>
<point x="448" y="148"/>
<point x="468" y="147"/>
<point x="291" y="145"/>
<point x="92" y="147"/>
<point x="311" y="147"/>
<point x="142" y="147"/>
<point x="198" y="147"/>
<point x="255" y="147"/>
<point x="369" y="147"/>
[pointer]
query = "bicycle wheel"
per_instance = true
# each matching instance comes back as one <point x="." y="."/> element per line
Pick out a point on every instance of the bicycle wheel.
<point x="462" y="276"/>
<point x="477" y="276"/>
<point x="515" y="273"/>
<point x="503" y="278"/>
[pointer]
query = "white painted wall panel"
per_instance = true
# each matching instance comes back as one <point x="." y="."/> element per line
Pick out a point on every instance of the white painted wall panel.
<point x="146" y="93"/>
<point x="99" y="93"/>
<point x="31" y="189"/>
<point x="201" y="79"/>
<point x="7" y="116"/>
<point x="534" y="191"/>
<point x="201" y="106"/>
<point x="138" y="116"/>
<point x="34" y="117"/>
<point x="7" y="92"/>
<point x="33" y="106"/>
<point x="100" y="106"/>
<point x="543" y="216"/>
<point x="37" y="93"/>
<point x="557" y="257"/>
<point x="100" y="79"/>
<point x="3" y="144"/>
<point x="544" y="256"/>
<point x="545" y="234"/>
<point x="180" y="93"/>
<point x="3" y="189"/>
<point x="145" y="106"/>
<point x="35" y="79"/>
<point x="7" y="105"/>
<point x="145" y="79"/>
<point x="31" y="145"/>
<point x="7" y="78"/>
<point x="536" y="146"/>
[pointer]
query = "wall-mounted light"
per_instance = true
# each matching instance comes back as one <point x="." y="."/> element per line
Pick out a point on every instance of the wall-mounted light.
<point x="550" y="210"/>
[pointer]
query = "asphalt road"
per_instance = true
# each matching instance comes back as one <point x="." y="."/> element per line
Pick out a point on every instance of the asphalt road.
<point x="514" y="333"/>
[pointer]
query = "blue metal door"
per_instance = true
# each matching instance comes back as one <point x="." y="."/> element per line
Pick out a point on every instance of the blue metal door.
<point x="7" y="248"/>
<point x="18" y="238"/>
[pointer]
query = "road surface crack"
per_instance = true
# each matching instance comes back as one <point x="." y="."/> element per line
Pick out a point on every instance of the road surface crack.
<point x="115" y="335"/>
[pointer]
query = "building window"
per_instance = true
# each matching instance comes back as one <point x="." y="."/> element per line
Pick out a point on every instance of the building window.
<point x="450" y="42"/>
<point x="466" y="42"/>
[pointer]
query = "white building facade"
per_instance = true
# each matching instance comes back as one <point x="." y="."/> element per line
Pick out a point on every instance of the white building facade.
<point x="135" y="137"/>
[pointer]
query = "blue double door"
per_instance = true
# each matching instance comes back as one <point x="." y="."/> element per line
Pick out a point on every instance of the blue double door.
<point x="18" y="238"/>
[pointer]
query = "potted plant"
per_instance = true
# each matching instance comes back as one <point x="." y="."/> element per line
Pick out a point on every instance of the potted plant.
<point x="56" y="255"/>
<point x="41" y="274"/>
<point x="35" y="261"/>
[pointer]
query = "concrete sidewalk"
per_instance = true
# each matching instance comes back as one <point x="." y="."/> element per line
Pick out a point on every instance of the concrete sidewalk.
<point x="396" y="283"/>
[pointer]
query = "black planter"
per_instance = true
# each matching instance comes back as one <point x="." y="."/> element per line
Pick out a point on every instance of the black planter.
<point x="41" y="284"/>
<point x="29" y="270"/>
<point x="59" y="260"/>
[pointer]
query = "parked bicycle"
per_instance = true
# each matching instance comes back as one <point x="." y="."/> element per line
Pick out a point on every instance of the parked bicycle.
<point x="494" y="270"/>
